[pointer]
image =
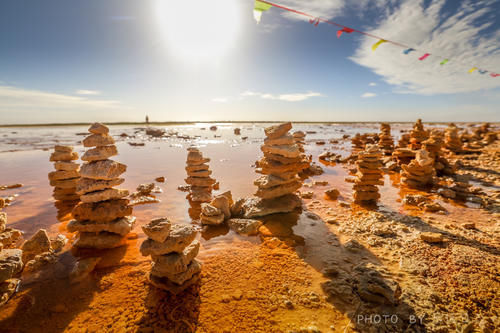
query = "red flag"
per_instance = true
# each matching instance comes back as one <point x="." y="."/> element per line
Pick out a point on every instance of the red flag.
<point x="314" y="21"/>
<point x="424" y="56"/>
<point x="344" y="29"/>
<point x="494" y="75"/>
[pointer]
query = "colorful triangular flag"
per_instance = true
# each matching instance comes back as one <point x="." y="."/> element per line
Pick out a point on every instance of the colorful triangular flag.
<point x="424" y="56"/>
<point x="259" y="8"/>
<point x="444" y="61"/>
<point x="407" y="51"/>
<point x="377" y="44"/>
<point x="344" y="29"/>
<point x="472" y="69"/>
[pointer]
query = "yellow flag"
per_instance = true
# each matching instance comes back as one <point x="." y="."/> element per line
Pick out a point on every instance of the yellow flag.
<point x="259" y="8"/>
<point x="472" y="69"/>
<point x="377" y="44"/>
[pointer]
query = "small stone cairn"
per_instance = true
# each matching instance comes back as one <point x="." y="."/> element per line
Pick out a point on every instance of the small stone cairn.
<point x="434" y="145"/>
<point x="199" y="180"/>
<point x="420" y="172"/>
<point x="418" y="135"/>
<point x="218" y="210"/>
<point x="386" y="142"/>
<point x="103" y="217"/>
<point x="369" y="175"/>
<point x="66" y="176"/>
<point x="404" y="140"/>
<point x="173" y="249"/>
<point x="452" y="140"/>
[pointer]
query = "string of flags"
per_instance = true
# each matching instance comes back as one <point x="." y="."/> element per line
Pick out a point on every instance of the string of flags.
<point x="261" y="6"/>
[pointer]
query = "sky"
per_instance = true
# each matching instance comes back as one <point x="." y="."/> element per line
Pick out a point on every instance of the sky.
<point x="196" y="60"/>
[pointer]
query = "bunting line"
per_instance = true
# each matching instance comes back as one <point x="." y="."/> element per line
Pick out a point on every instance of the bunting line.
<point x="264" y="5"/>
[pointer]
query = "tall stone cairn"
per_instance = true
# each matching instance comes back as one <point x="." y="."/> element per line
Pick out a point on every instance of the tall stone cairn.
<point x="369" y="175"/>
<point x="280" y="165"/>
<point x="386" y="142"/>
<point x="418" y="135"/>
<point x="199" y="180"/>
<point x="452" y="141"/>
<point x="420" y="172"/>
<point x="103" y="217"/>
<point x="173" y="249"/>
<point x="404" y="140"/>
<point x="66" y="176"/>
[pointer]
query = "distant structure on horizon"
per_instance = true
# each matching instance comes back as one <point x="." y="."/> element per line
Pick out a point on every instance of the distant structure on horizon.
<point x="147" y="119"/>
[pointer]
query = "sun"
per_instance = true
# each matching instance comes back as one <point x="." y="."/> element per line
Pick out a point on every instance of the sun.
<point x="198" y="30"/>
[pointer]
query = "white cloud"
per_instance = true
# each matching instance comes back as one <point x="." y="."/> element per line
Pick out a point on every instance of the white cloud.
<point x="297" y="97"/>
<point x="220" y="100"/>
<point x="372" y="84"/>
<point x="322" y="8"/>
<point x="368" y="95"/>
<point x="87" y="92"/>
<point x="458" y="36"/>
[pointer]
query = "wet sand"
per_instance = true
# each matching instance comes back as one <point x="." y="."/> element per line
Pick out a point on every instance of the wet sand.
<point x="249" y="284"/>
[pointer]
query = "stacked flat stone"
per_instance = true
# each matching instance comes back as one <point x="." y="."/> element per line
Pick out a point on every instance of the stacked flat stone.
<point x="173" y="249"/>
<point x="419" y="172"/>
<point x="386" y="142"/>
<point x="218" y="210"/>
<point x="199" y="180"/>
<point x="403" y="155"/>
<point x="300" y="140"/>
<point x="103" y="217"/>
<point x="404" y="141"/>
<point x="434" y="146"/>
<point x="369" y="175"/>
<point x="11" y="262"/>
<point x="66" y="176"/>
<point x="452" y="141"/>
<point x="280" y="165"/>
<point x="357" y="142"/>
<point x="418" y="135"/>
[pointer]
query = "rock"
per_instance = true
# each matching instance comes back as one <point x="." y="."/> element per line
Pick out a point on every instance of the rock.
<point x="431" y="237"/>
<point x="155" y="132"/>
<point x="175" y="262"/>
<point x="99" y="153"/>
<point x="257" y="207"/>
<point x="373" y="287"/>
<point x="145" y="189"/>
<point x="98" y="128"/>
<point x="306" y="195"/>
<point x="37" y="244"/>
<point x="86" y="185"/>
<point x="57" y="244"/>
<point x="158" y="229"/>
<point x="246" y="227"/>
<point x="193" y="268"/>
<point x="469" y="225"/>
<point x="66" y="166"/>
<point x="9" y="237"/>
<point x="166" y="284"/>
<point x="180" y="237"/>
<point x="3" y="221"/>
<point x="104" y="211"/>
<point x="120" y="226"/>
<point x="419" y="172"/>
<point x="11" y="263"/>
<point x="209" y="210"/>
<point x="160" y="179"/>
<point x="7" y="289"/>
<point x="61" y="174"/>
<point x="332" y="194"/>
<point x="447" y="193"/>
<point x="63" y="156"/>
<point x="212" y="220"/>
<point x="369" y="167"/>
<point x="107" y="194"/>
<point x="276" y="131"/>
<point x="414" y="199"/>
<point x="222" y="202"/>
<point x="97" y="140"/>
<point x="290" y="151"/>
<point x="278" y="191"/>
<point x="101" y="240"/>
<point x="83" y="268"/>
<point x="102" y="170"/>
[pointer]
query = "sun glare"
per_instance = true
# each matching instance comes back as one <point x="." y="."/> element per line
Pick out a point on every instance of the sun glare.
<point x="198" y="30"/>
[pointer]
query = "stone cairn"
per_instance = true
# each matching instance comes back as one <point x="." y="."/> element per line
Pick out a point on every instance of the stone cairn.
<point x="11" y="262"/>
<point x="173" y="249"/>
<point x="434" y="145"/>
<point x="452" y="141"/>
<point x="300" y="140"/>
<point x="420" y="172"/>
<point x="386" y="142"/>
<point x="103" y="217"/>
<point x="199" y="180"/>
<point x="369" y="175"/>
<point x="66" y="176"/>
<point x="218" y="210"/>
<point x="418" y="135"/>
<point x="404" y="141"/>
<point x="357" y="142"/>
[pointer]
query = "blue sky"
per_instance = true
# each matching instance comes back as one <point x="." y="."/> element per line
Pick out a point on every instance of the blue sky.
<point x="118" y="60"/>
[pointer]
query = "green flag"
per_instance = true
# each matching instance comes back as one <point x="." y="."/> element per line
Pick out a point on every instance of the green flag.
<point x="259" y="8"/>
<point x="444" y="61"/>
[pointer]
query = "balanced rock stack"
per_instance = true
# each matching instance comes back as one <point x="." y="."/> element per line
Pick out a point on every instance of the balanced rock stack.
<point x="419" y="172"/>
<point x="173" y="249"/>
<point x="433" y="145"/>
<point x="386" y="142"/>
<point x="218" y="210"/>
<point x="300" y="138"/>
<point x="418" y="135"/>
<point x="404" y="141"/>
<point x="451" y="139"/>
<point x="199" y="180"/>
<point x="103" y="217"/>
<point x="357" y="142"/>
<point x="66" y="176"/>
<point x="369" y="175"/>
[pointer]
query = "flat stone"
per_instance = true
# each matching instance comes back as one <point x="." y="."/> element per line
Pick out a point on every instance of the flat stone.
<point x="11" y="263"/>
<point x="57" y="244"/>
<point x="179" y="278"/>
<point x="272" y="167"/>
<point x="287" y="140"/>
<point x="7" y="289"/>
<point x="175" y="263"/>
<point x="143" y="200"/>
<point x="66" y="196"/>
<point x="102" y="170"/>
<point x="101" y="240"/>
<point x="209" y="210"/>
<point x="65" y="183"/>
<point x="431" y="237"/>
<point x="200" y="173"/>
<point x="98" y="128"/>
<point x="37" y="244"/>
<point x="277" y="191"/>
<point x="96" y="140"/>
<point x="276" y="131"/>
<point x="63" y="149"/>
<point x="61" y="174"/>
<point x="3" y="221"/>
<point x="268" y="181"/>
<point x="9" y="237"/>
<point x="282" y="159"/>
<point x="200" y="181"/>
<point x="158" y="229"/>
<point x="199" y="167"/>
<point x="332" y="194"/>
<point x="83" y="268"/>
<point x="285" y="151"/>
<point x="222" y="202"/>
<point x="104" y="211"/>
<point x="99" y="153"/>
<point x="86" y="185"/>
<point x="257" y="207"/>
<point x="120" y="226"/>
<point x="181" y="235"/>
<point x="167" y="285"/>
<point x="63" y="156"/>
<point x="108" y="194"/>
<point x="66" y="166"/>
<point x="212" y="220"/>
<point x="245" y="226"/>
<point x="200" y="196"/>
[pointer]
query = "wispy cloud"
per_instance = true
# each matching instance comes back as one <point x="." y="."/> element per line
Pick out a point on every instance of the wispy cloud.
<point x="428" y="27"/>
<point x="368" y="95"/>
<point x="220" y="100"/>
<point x="372" y="84"/>
<point x="87" y="92"/>
<point x="323" y="8"/>
<point x="297" y="97"/>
